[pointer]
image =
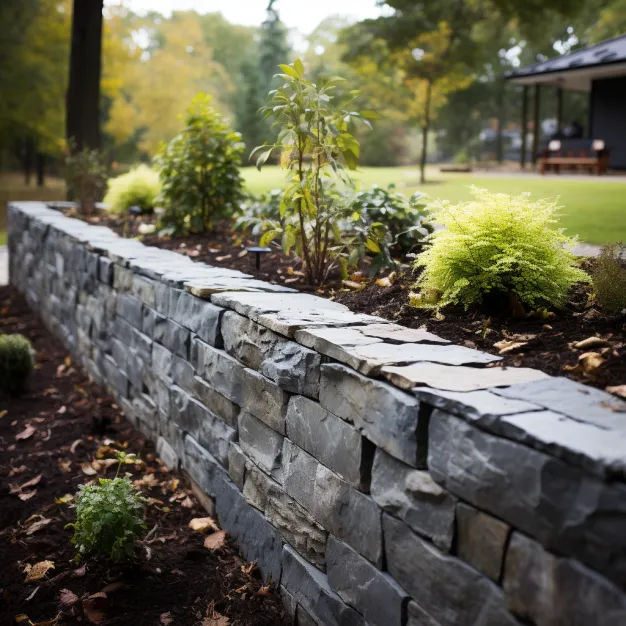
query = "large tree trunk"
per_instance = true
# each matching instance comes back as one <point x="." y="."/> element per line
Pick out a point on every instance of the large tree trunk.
<point x="425" y="129"/>
<point x="41" y="169"/>
<point x="83" y="93"/>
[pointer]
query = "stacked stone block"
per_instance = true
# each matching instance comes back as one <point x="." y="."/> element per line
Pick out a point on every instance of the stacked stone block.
<point x="378" y="475"/>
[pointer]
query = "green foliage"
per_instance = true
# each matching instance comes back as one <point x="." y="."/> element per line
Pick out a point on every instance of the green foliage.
<point x="199" y="171"/>
<point x="404" y="219"/>
<point x="16" y="363"/>
<point x="609" y="278"/>
<point x="258" y="210"/>
<point x="498" y="245"/>
<point x="139" y="187"/>
<point x="109" y="518"/>
<point x="317" y="149"/>
<point x="86" y="175"/>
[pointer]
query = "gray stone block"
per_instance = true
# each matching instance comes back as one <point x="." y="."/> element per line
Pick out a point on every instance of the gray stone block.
<point x="338" y="507"/>
<point x="129" y="307"/>
<point x="162" y="360"/>
<point x="414" y="497"/>
<point x="143" y="288"/>
<point x="448" y="589"/>
<point x="416" y="616"/>
<point x="203" y="467"/>
<point x="387" y="417"/>
<point x="332" y="441"/>
<point x="291" y="366"/>
<point x="481" y="540"/>
<point x="374" y="594"/>
<point x="142" y="344"/>
<point x="223" y="373"/>
<point x="264" y="400"/>
<point x="255" y="487"/>
<point x="236" y="465"/>
<point x="289" y="602"/>
<point x="175" y="338"/>
<point x="105" y="270"/>
<point x="122" y="278"/>
<point x="553" y="591"/>
<point x="257" y="539"/>
<point x="216" y="402"/>
<point x="556" y="503"/>
<point x="203" y="318"/>
<point x="261" y="443"/>
<point x="123" y="330"/>
<point x="304" y="618"/>
<point x="310" y="589"/>
<point x="114" y="376"/>
<point x="183" y="373"/>
<point x="153" y="323"/>
<point x="162" y="298"/>
<point x="135" y="367"/>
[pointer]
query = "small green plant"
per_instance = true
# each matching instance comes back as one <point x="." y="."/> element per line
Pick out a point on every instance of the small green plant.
<point x="199" y="171"/>
<point x="139" y="187"/>
<point x="502" y="247"/>
<point x="317" y="150"/>
<point x="16" y="363"/>
<point x="609" y="278"/>
<point x="86" y="175"/>
<point x="109" y="518"/>
<point x="255" y="211"/>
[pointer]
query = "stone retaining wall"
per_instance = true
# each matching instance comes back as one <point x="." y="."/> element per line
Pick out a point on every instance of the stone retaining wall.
<point x="379" y="475"/>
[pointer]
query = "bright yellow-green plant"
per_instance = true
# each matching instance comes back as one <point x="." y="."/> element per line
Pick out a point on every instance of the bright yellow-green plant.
<point x="16" y="363"/>
<point x="139" y="187"/>
<point x="609" y="278"/>
<point x="502" y="247"/>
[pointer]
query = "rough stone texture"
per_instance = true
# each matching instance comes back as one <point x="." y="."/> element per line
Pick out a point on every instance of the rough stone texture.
<point x="457" y="378"/>
<point x="418" y="617"/>
<point x="129" y="308"/>
<point x="261" y="443"/>
<point x="372" y="593"/>
<point x="203" y="318"/>
<point x="449" y="590"/>
<point x="328" y="438"/>
<point x="310" y="589"/>
<point x="216" y="402"/>
<point x="481" y="540"/>
<point x="387" y="417"/>
<point x="291" y="366"/>
<point x="369" y="354"/>
<point x="236" y="465"/>
<point x="304" y="618"/>
<point x="175" y="338"/>
<point x="341" y="509"/>
<point x="414" y="497"/>
<point x="394" y="333"/>
<point x="564" y="508"/>
<point x="553" y="591"/>
<point x="166" y="453"/>
<point x="264" y="400"/>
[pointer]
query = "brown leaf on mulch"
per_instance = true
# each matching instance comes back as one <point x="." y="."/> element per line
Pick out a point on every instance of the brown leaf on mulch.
<point x="35" y="523"/>
<point x="215" y="541"/>
<point x="95" y="607"/>
<point x="67" y="599"/>
<point x="202" y="524"/>
<point x="28" y="432"/>
<point x="37" y="571"/>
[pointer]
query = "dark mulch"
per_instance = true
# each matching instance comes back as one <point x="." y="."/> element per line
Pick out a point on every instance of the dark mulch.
<point x="548" y="342"/>
<point x="72" y="419"/>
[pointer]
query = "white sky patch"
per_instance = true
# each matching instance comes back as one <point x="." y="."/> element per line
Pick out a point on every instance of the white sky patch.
<point x="296" y="14"/>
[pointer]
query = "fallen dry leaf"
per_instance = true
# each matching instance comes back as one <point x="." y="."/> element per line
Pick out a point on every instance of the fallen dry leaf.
<point x="505" y="346"/>
<point x="248" y="568"/>
<point x="187" y="503"/>
<point x="591" y="362"/>
<point x="62" y="410"/>
<point x="94" y="607"/>
<point x="65" y="465"/>
<point x="68" y="497"/>
<point x="32" y="482"/>
<point x="75" y="445"/>
<point x="266" y="590"/>
<point x="88" y="469"/>
<point x="215" y="541"/>
<point x="591" y="342"/>
<point x="166" y="618"/>
<point x="617" y="390"/>
<point x="213" y="618"/>
<point x="67" y="599"/>
<point x="38" y="524"/>
<point x="202" y="524"/>
<point x="384" y="282"/>
<point x="37" y="571"/>
<point x="28" y="432"/>
<point x="27" y="495"/>
<point x="353" y="285"/>
<point x="3" y="413"/>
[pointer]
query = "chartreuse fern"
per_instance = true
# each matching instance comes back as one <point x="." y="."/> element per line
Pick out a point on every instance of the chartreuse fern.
<point x="16" y="363"/>
<point x="498" y="244"/>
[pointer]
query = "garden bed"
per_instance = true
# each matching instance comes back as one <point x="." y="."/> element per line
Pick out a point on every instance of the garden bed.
<point x="548" y="344"/>
<point x="49" y="443"/>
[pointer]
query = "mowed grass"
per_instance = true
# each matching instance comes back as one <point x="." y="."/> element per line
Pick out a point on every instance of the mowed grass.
<point x="593" y="208"/>
<point x="12" y="188"/>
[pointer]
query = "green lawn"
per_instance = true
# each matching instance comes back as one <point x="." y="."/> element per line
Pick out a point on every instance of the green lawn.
<point x="595" y="209"/>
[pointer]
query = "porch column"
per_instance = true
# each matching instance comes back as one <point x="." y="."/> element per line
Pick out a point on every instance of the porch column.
<point x="536" y="103"/>
<point x="524" y="131"/>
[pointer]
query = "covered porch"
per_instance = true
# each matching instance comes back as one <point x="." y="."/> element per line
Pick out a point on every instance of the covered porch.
<point x="600" y="72"/>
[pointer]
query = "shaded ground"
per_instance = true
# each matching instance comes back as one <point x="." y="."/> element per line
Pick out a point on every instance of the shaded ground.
<point x="51" y="440"/>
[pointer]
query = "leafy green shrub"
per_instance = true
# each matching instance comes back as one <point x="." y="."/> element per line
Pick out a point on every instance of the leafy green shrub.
<point x="405" y="219"/>
<point x="199" y="171"/>
<point x="16" y="363"/>
<point x="86" y="175"/>
<point x="498" y="245"/>
<point x="109" y="518"/>
<point x="609" y="277"/>
<point x="257" y="210"/>
<point x="139" y="187"/>
<point x="317" y="218"/>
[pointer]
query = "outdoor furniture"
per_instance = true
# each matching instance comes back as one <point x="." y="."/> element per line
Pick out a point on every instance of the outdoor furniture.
<point x="575" y="154"/>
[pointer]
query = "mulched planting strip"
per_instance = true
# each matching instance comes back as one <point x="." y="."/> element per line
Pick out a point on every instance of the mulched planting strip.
<point x="50" y="437"/>
<point x="548" y="344"/>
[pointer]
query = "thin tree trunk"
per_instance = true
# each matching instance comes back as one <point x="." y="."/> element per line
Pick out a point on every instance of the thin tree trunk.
<point x="83" y="93"/>
<point x="41" y="169"/>
<point x="425" y="129"/>
<point x="500" y="136"/>
<point x="28" y="161"/>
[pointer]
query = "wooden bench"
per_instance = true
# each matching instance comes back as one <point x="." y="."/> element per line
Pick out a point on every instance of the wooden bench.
<point x="575" y="154"/>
